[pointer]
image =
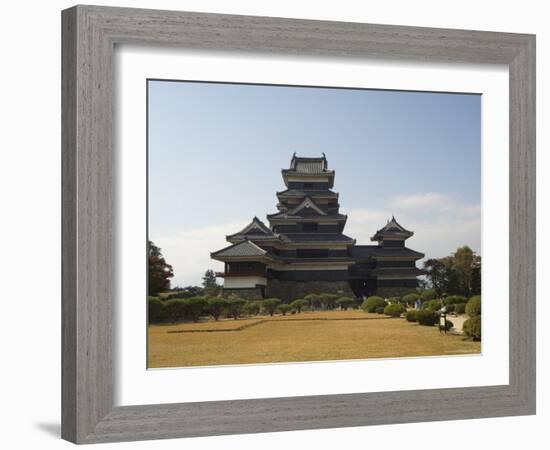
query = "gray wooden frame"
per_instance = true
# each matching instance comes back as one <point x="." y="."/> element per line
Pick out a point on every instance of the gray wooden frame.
<point x="89" y="36"/>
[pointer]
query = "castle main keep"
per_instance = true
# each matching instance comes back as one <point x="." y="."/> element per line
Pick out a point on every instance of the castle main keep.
<point x="304" y="249"/>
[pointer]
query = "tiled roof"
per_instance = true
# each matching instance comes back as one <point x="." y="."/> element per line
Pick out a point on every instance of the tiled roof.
<point x="392" y="228"/>
<point x="302" y="164"/>
<point x="300" y="215"/>
<point x="317" y="237"/>
<point x="307" y="193"/>
<point x="256" y="227"/>
<point x="243" y="248"/>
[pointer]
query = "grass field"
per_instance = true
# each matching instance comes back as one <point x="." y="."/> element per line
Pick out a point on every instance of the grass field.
<point x="309" y="336"/>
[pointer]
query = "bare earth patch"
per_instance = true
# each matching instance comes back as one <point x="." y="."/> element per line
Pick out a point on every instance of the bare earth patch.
<point x="309" y="336"/>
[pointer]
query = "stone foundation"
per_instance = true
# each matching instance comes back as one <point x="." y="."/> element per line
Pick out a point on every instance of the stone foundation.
<point x="245" y="293"/>
<point x="292" y="290"/>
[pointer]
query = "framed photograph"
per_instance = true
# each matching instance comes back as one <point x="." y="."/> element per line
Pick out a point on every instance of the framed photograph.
<point x="267" y="222"/>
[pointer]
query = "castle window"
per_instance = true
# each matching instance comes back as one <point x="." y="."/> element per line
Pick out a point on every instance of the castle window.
<point x="312" y="253"/>
<point x="308" y="185"/>
<point x="310" y="227"/>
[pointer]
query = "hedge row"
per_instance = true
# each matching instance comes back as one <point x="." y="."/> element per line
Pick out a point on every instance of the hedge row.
<point x="193" y="308"/>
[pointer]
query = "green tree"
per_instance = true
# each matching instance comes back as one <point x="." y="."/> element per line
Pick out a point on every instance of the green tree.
<point x="216" y="306"/>
<point x="299" y="304"/>
<point x="472" y="328"/>
<point x="270" y="305"/>
<point x="160" y="271"/>
<point x="328" y="301"/>
<point x="313" y="300"/>
<point x="211" y="287"/>
<point x="156" y="311"/>
<point x="235" y="306"/>
<point x="411" y="299"/>
<point x="463" y="264"/>
<point x="344" y="302"/>
<point x="252" y="308"/>
<point x="394" y="310"/>
<point x="195" y="306"/>
<point x="371" y="303"/>
<point x="435" y="272"/>
<point x="459" y="273"/>
<point x="284" y="308"/>
<point x="176" y="309"/>
<point x="427" y="295"/>
<point x="473" y="307"/>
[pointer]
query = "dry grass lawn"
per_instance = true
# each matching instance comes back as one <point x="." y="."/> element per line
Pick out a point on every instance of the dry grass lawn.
<point x="356" y="335"/>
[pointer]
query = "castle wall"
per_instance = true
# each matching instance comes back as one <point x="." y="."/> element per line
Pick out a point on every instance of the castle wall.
<point x="255" y="293"/>
<point x="288" y="290"/>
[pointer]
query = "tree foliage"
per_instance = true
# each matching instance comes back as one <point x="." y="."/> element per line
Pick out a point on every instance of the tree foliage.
<point x="156" y="311"/>
<point x="284" y="308"/>
<point x="216" y="306"/>
<point x="456" y="274"/>
<point x="235" y="306"/>
<point x="270" y="305"/>
<point x="328" y="301"/>
<point x="252" y="307"/>
<point x="211" y="287"/>
<point x="195" y="307"/>
<point x="371" y="303"/>
<point x="411" y="299"/>
<point x="473" y="307"/>
<point x="299" y="304"/>
<point x="344" y="302"/>
<point x="427" y="318"/>
<point x="160" y="271"/>
<point x="394" y="310"/>
<point x="472" y="327"/>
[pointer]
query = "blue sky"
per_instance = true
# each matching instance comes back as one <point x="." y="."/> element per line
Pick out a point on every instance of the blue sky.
<point x="216" y="152"/>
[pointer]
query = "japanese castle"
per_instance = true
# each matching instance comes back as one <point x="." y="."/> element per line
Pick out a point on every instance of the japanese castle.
<point x="304" y="249"/>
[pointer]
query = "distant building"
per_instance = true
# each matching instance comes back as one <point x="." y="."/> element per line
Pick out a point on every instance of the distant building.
<point x="304" y="249"/>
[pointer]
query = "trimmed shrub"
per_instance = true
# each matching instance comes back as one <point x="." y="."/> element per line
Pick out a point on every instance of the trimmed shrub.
<point x="473" y="307"/>
<point x="235" y="307"/>
<point x="312" y="300"/>
<point x="156" y="311"/>
<point x="472" y="328"/>
<point x="460" y="308"/>
<point x="394" y="310"/>
<point x="269" y="305"/>
<point x="252" y="308"/>
<point x="284" y="308"/>
<point x="299" y="304"/>
<point x="410" y="299"/>
<point x="371" y="303"/>
<point x="195" y="307"/>
<point x="176" y="309"/>
<point x="411" y="315"/>
<point x="454" y="299"/>
<point x="344" y="303"/>
<point x="394" y="300"/>
<point x="379" y="310"/>
<point x="216" y="306"/>
<point x="328" y="301"/>
<point x="427" y="295"/>
<point x="432" y="305"/>
<point x="450" y="308"/>
<point x="427" y="318"/>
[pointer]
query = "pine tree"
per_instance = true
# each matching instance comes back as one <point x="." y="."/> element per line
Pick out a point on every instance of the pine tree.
<point x="160" y="271"/>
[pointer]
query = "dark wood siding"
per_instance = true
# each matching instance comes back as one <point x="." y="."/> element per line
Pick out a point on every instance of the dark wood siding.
<point x="310" y="275"/>
<point x="313" y="185"/>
